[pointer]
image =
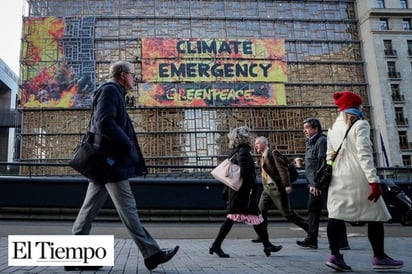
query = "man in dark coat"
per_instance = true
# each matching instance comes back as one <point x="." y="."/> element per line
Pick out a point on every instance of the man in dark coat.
<point x="111" y="120"/>
<point x="276" y="185"/>
<point x="315" y="159"/>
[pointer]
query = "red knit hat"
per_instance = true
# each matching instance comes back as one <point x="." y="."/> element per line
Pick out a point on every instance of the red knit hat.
<point x="347" y="99"/>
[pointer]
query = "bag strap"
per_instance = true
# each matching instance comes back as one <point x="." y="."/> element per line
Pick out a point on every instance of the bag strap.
<point x="91" y="116"/>
<point x="233" y="156"/>
<point x="96" y="95"/>
<point x="340" y="146"/>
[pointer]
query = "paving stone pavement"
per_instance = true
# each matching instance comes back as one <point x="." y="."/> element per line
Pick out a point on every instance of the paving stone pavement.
<point x="246" y="257"/>
<point x="195" y="239"/>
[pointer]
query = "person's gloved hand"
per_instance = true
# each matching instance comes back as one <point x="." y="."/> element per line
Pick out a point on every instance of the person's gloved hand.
<point x="376" y="192"/>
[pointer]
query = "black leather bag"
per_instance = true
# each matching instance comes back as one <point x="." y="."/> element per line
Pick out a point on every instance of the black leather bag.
<point x="91" y="157"/>
<point x="324" y="176"/>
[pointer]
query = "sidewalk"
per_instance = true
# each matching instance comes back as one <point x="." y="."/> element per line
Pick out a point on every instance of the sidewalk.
<point x="246" y="257"/>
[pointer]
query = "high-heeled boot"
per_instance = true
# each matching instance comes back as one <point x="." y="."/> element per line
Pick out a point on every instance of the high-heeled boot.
<point x="268" y="246"/>
<point x="271" y="248"/>
<point x="223" y="231"/>
<point x="219" y="252"/>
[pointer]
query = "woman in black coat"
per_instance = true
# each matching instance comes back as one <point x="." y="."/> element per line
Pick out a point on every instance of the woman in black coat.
<point x="241" y="205"/>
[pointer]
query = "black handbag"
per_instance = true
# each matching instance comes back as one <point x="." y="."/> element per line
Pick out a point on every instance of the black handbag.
<point x="324" y="174"/>
<point x="91" y="157"/>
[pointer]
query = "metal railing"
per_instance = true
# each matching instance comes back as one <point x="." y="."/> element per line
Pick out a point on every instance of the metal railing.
<point x="394" y="173"/>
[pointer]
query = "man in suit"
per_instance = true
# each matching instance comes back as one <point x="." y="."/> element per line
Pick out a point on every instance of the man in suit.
<point x="276" y="185"/>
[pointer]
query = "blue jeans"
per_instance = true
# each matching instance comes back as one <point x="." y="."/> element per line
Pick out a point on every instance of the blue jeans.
<point x="124" y="201"/>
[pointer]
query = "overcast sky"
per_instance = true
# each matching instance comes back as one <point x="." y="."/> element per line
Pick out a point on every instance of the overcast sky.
<point x="10" y="31"/>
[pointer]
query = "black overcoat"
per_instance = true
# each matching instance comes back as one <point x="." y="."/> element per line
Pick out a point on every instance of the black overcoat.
<point x="244" y="200"/>
<point x="110" y="118"/>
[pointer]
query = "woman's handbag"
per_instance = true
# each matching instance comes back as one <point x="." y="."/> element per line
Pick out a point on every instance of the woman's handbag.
<point x="229" y="174"/>
<point x="324" y="175"/>
<point x="91" y="157"/>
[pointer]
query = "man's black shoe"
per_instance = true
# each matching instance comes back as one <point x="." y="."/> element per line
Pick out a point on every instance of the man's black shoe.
<point x="161" y="257"/>
<point x="256" y="240"/>
<point x="307" y="243"/>
<point x="81" y="267"/>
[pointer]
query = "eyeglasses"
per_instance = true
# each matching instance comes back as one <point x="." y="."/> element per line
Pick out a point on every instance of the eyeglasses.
<point x="134" y="76"/>
<point x="131" y="73"/>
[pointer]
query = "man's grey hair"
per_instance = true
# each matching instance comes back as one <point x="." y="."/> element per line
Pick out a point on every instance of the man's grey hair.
<point x="118" y="67"/>
<point x="263" y="139"/>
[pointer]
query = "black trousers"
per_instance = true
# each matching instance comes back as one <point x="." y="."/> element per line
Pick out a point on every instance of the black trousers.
<point x="315" y="206"/>
<point x="375" y="237"/>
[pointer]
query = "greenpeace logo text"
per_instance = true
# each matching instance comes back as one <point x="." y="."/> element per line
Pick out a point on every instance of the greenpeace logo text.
<point x="42" y="250"/>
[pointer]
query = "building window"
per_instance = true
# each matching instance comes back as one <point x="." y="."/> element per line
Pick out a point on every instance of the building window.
<point x="403" y="140"/>
<point x="383" y="23"/>
<point x="396" y="93"/>
<point x="409" y="44"/>
<point x="380" y="4"/>
<point x="404" y="4"/>
<point x="392" y="73"/>
<point x="406" y="159"/>
<point x="399" y="117"/>
<point x="406" y="23"/>
<point x="389" y="51"/>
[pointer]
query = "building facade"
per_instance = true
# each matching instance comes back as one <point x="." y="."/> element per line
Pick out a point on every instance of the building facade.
<point x="386" y="33"/>
<point x="9" y="117"/>
<point x="205" y="67"/>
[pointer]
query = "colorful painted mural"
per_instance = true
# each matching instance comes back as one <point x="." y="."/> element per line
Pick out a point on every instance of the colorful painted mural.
<point x="59" y="71"/>
<point x="53" y="74"/>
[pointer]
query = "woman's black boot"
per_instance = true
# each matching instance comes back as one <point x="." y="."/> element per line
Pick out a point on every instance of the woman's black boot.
<point x="219" y="252"/>
<point x="223" y="231"/>
<point x="272" y="248"/>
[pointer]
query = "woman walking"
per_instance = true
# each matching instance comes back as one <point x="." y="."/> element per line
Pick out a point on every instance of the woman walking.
<point x="241" y="205"/>
<point x="355" y="193"/>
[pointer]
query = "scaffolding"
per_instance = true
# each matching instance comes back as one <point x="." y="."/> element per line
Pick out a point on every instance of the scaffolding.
<point x="322" y="57"/>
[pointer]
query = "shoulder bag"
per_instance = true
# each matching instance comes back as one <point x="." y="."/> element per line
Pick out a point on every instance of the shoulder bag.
<point x="324" y="175"/>
<point x="229" y="174"/>
<point x="91" y="156"/>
